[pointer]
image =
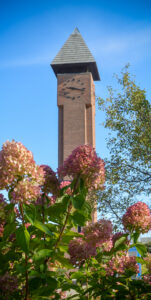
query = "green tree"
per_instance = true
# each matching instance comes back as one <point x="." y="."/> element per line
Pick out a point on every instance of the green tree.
<point x="128" y="167"/>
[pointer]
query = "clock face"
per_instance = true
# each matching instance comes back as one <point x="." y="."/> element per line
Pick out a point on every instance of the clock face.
<point x="72" y="89"/>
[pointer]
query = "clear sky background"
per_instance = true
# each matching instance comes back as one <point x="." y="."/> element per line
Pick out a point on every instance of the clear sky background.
<point x="32" y="33"/>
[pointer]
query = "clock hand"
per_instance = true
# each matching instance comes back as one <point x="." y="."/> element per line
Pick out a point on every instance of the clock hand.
<point x="74" y="88"/>
<point x="63" y="93"/>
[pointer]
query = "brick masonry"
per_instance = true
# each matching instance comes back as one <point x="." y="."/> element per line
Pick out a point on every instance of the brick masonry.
<point x="76" y="113"/>
<point x="76" y="103"/>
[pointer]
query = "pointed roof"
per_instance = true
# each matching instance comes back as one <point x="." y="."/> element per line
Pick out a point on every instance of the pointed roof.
<point x="73" y="55"/>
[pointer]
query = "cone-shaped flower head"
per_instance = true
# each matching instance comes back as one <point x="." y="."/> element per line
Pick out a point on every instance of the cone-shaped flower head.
<point x="85" y="163"/>
<point x="16" y="162"/>
<point x="51" y="183"/>
<point x="80" y="250"/>
<point x="99" y="232"/>
<point x="137" y="218"/>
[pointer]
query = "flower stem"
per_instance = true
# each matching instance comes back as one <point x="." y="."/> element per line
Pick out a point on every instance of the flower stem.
<point x="68" y="213"/>
<point x="26" y="257"/>
<point x="64" y="226"/>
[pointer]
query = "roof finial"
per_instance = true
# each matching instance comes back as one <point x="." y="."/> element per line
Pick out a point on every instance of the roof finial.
<point x="76" y="31"/>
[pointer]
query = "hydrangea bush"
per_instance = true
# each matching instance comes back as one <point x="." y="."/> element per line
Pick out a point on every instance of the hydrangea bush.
<point x="42" y="255"/>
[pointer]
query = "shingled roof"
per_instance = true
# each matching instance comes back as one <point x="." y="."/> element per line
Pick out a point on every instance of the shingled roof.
<point x="75" y="56"/>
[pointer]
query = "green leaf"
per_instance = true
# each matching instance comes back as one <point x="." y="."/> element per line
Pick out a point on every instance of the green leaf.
<point x="64" y="261"/>
<point x="87" y="209"/>
<point x="51" y="285"/>
<point x="57" y="210"/>
<point x="79" y="218"/>
<point x="69" y="235"/>
<point x="63" y="248"/>
<point x="10" y="214"/>
<point x="82" y="184"/>
<point x="42" y="227"/>
<point x="78" y="201"/>
<point x="123" y="289"/>
<point x="74" y="296"/>
<point x="42" y="267"/>
<point x="135" y="237"/>
<point x="41" y="286"/>
<point x="120" y="241"/>
<point x="140" y="260"/>
<point x="77" y="275"/>
<point x="34" y="282"/>
<point x="20" y="268"/>
<point x="30" y="212"/>
<point x="9" y="229"/>
<point x="42" y="254"/>
<point x="23" y="238"/>
<point x="63" y="199"/>
<point x="141" y="249"/>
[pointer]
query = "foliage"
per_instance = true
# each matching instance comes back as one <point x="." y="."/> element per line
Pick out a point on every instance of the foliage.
<point x="43" y="257"/>
<point x="128" y="167"/>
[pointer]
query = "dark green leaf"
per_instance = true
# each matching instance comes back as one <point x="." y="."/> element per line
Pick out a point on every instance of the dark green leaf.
<point x="57" y="210"/>
<point x="77" y="275"/>
<point x="79" y="218"/>
<point x="78" y="201"/>
<point x="42" y="254"/>
<point x="63" y="248"/>
<point x="9" y="229"/>
<point x="42" y="227"/>
<point x="30" y="212"/>
<point x="20" y="269"/>
<point x="135" y="237"/>
<point x="23" y="238"/>
<point x="140" y="260"/>
<point x="120" y="241"/>
<point x="141" y="249"/>
<point x="87" y="209"/>
<point x="64" y="261"/>
<point x="69" y="235"/>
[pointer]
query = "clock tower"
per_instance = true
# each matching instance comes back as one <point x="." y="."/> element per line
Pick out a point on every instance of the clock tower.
<point x="76" y="70"/>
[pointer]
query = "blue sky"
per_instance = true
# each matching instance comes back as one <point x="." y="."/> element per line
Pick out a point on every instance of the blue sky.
<point x="31" y="34"/>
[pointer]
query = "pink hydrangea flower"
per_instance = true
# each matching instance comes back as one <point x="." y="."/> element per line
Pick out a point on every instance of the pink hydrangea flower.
<point x="8" y="284"/>
<point x="106" y="246"/>
<point x="117" y="236"/>
<point x="62" y="295"/>
<point x="130" y="264"/>
<point x="80" y="250"/>
<point x="66" y="183"/>
<point x="147" y="278"/>
<point x="99" y="232"/>
<point x="41" y="200"/>
<point x="25" y="191"/>
<point x="27" y="225"/>
<point x="2" y="214"/>
<point x="17" y="212"/>
<point x="2" y="206"/>
<point x="19" y="171"/>
<point x="137" y="218"/>
<point x="85" y="163"/>
<point x="16" y="162"/>
<point x="2" y="200"/>
<point x="51" y="183"/>
<point x="2" y="228"/>
<point x="121" y="263"/>
<point x="12" y="237"/>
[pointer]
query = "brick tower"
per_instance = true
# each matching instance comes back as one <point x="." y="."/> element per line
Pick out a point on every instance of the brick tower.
<point x="75" y="69"/>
